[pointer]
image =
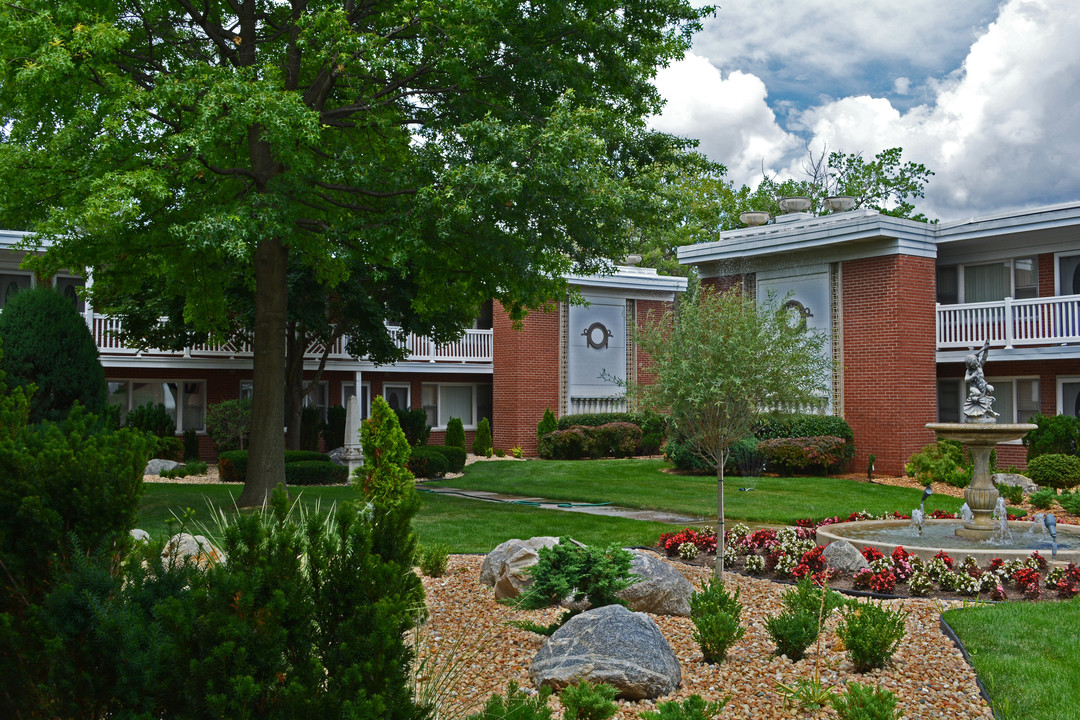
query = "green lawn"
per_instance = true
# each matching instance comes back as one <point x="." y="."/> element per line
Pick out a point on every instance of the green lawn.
<point x="643" y="484"/>
<point x="1026" y="656"/>
<point x="466" y="526"/>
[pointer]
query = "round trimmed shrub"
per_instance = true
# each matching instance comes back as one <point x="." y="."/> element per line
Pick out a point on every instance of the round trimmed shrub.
<point x="315" y="472"/>
<point x="1054" y="435"/>
<point x="569" y="444"/>
<point x="455" y="456"/>
<point x="1056" y="471"/>
<point x="46" y="343"/>
<point x="427" y="462"/>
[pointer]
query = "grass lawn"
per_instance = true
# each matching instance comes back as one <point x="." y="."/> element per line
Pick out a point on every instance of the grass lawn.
<point x="466" y="526"/>
<point x="643" y="484"/>
<point x="1024" y="655"/>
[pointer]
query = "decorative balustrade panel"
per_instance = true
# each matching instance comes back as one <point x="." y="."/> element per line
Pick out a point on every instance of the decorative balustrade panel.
<point x="582" y="406"/>
<point x="474" y="346"/>
<point x="1036" y="321"/>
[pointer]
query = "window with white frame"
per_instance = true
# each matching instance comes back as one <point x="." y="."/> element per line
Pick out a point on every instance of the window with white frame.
<point x="12" y="284"/>
<point x="349" y="389"/>
<point x="1068" y="275"/>
<point x="1015" y="399"/>
<point x="1069" y="396"/>
<point x="466" y="401"/>
<point x="1017" y="278"/>
<point x="184" y="400"/>
<point x="396" y="396"/>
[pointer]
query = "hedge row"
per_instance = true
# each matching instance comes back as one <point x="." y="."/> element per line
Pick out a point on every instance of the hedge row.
<point x="232" y="467"/>
<point x="653" y="427"/>
<point x="429" y="461"/>
<point x="613" y="439"/>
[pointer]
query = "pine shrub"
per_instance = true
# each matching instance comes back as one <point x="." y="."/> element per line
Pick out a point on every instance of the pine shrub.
<point x="455" y="433"/>
<point x="585" y="701"/>
<point x="48" y="345"/>
<point x="692" y="708"/>
<point x="793" y="632"/>
<point x="517" y="705"/>
<point x="871" y="634"/>
<point x="384" y="477"/>
<point x="716" y="614"/>
<point x="547" y="424"/>
<point x="433" y="559"/>
<point x="334" y="430"/>
<point x="311" y="426"/>
<point x="482" y="442"/>
<point x="1054" y="435"/>
<point x="585" y="573"/>
<point x="864" y="702"/>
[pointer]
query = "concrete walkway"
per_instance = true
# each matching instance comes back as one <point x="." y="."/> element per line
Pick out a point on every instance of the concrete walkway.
<point x="587" y="508"/>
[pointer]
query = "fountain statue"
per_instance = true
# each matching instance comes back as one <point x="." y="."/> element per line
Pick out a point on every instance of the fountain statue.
<point x="979" y="435"/>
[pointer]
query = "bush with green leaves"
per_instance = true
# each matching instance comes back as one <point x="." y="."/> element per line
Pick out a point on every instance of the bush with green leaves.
<point x="455" y="456"/>
<point x="680" y="454"/>
<point x="692" y="708"/>
<point x="654" y="426"/>
<point x="455" y="434"/>
<point x="228" y="423"/>
<point x="569" y="444"/>
<point x="315" y="472"/>
<point x="48" y="345"/>
<point x="585" y="701"/>
<point x="384" y="475"/>
<point x="1013" y="494"/>
<point x="415" y="426"/>
<point x="547" y="424"/>
<point x="716" y="613"/>
<point x="1070" y="501"/>
<point x="1054" y="435"/>
<point x="433" y="559"/>
<point x="232" y="465"/>
<point x="1056" y="471"/>
<point x="942" y="461"/>
<point x="819" y="453"/>
<point x="582" y="572"/>
<point x="517" y="705"/>
<point x="191" y="445"/>
<point x="865" y="702"/>
<point x="334" y="429"/>
<point x="152" y="418"/>
<point x="311" y="426"/>
<point x="426" y="461"/>
<point x="871" y="633"/>
<point x="1043" y="499"/>
<point x="793" y="632"/>
<point x="744" y="458"/>
<point x="799" y="425"/>
<point x="615" y="439"/>
<point x="482" y="442"/>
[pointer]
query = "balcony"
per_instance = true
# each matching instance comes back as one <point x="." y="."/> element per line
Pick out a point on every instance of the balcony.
<point x="474" y="346"/>
<point x="1010" y="323"/>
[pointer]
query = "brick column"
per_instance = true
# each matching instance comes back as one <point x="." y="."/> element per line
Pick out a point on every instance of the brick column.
<point x="525" y="377"/>
<point x="890" y="387"/>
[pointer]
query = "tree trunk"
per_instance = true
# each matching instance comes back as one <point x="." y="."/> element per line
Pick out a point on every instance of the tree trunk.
<point x="266" y="455"/>
<point x="718" y="566"/>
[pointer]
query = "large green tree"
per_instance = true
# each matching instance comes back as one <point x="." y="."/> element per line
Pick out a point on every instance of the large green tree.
<point x="720" y="362"/>
<point x="170" y="147"/>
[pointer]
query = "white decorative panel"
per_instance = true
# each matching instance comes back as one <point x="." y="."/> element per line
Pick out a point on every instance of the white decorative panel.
<point x="596" y="340"/>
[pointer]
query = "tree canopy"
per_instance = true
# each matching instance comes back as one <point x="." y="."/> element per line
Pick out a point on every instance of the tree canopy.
<point x="719" y="363"/>
<point x="477" y="148"/>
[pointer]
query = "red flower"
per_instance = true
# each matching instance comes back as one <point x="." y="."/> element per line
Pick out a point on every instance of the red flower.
<point x="813" y="559"/>
<point x="883" y="582"/>
<point x="944" y="557"/>
<point x="1039" y="559"/>
<point x="871" y="554"/>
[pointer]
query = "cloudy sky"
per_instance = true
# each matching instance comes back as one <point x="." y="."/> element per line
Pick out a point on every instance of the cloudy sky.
<point x="986" y="93"/>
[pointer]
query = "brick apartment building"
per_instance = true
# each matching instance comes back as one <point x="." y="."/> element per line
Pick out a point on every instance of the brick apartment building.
<point x="902" y="303"/>
<point x="493" y="370"/>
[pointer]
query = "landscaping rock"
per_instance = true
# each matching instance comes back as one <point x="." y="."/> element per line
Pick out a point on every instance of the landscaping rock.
<point x="610" y="645"/>
<point x="844" y="556"/>
<point x="140" y="535"/>
<point x="497" y="558"/>
<point x="514" y="577"/>
<point x="184" y="545"/>
<point x="337" y="456"/>
<point x="155" y="466"/>
<point x="1015" y="480"/>
<point x="662" y="590"/>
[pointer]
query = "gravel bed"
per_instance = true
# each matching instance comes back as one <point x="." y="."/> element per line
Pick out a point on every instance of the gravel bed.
<point x="467" y="628"/>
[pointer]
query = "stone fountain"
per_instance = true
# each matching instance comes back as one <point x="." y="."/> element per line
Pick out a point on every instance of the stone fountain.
<point x="980" y="434"/>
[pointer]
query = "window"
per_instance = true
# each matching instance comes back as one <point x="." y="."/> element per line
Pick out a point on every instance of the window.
<point x="1015" y="400"/>
<point x="396" y="396"/>
<point x="184" y="400"/>
<point x="429" y="400"/>
<point x="465" y="401"/>
<point x="11" y="284"/>
<point x="948" y="286"/>
<point x="69" y="287"/>
<point x="1069" y="396"/>
<point x="949" y="402"/>
<point x="988" y="282"/>
<point x="349" y="389"/>
<point x="1068" y="275"/>
<point x="320" y="398"/>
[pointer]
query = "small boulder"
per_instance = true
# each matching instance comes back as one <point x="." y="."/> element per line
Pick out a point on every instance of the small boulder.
<point x="337" y="456"/>
<point x="845" y="557"/>
<point x="183" y="546"/>
<point x="1015" y="480"/>
<point x="497" y="558"/>
<point x="140" y="536"/>
<point x="661" y="590"/>
<point x="610" y="645"/>
<point x="155" y="466"/>
<point x="514" y="576"/>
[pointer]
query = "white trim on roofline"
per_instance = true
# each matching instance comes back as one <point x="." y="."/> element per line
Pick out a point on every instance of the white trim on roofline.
<point x="135" y="364"/>
<point x="1007" y="223"/>
<point x="631" y="279"/>
<point x="1042" y="353"/>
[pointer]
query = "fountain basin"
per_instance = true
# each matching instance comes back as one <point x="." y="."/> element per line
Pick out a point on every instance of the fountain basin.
<point x="884" y="535"/>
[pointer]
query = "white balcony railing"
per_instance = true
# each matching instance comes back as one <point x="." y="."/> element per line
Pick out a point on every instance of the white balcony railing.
<point x="474" y="346"/>
<point x="1008" y="323"/>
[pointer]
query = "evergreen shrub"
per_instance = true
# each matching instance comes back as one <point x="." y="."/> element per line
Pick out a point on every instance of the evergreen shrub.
<point x="654" y="427"/>
<point x="455" y="433"/>
<point x="47" y="344"/>
<point x="482" y="442"/>
<point x="585" y="573"/>
<point x="569" y="444"/>
<point x="517" y="705"/>
<point x="679" y="453"/>
<point x="1056" y="471"/>
<point x="384" y="477"/>
<point x="311" y="426"/>
<point x="614" y="439"/>
<point x="585" y="701"/>
<point x="871" y="633"/>
<point x="716" y="613"/>
<point x="228" y="424"/>
<point x="334" y="430"/>
<point x="426" y="461"/>
<point x="942" y="461"/>
<point x="547" y="424"/>
<point x="455" y="456"/>
<point x="232" y="465"/>
<point x="191" y="445"/>
<point x="692" y="708"/>
<point x="414" y="424"/>
<point x="802" y="425"/>
<point x="788" y="456"/>
<point x="1055" y="435"/>
<point x="865" y="702"/>
<point x="313" y="472"/>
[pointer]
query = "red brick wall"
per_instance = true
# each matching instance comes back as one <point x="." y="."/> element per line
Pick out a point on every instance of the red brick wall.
<point x="525" y="377"/>
<point x="647" y="313"/>
<point x="890" y="391"/>
<point x="1046" y="275"/>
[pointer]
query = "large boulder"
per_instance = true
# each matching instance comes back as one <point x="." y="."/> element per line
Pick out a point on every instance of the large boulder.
<point x="1016" y="480"/>
<point x="497" y="559"/>
<point x="842" y="555"/>
<point x="184" y="547"/>
<point x="155" y="466"/>
<point x="611" y="645"/>
<point x="661" y="589"/>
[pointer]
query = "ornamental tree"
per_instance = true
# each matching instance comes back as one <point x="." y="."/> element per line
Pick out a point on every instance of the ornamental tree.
<point x="722" y="361"/>
<point x="486" y="147"/>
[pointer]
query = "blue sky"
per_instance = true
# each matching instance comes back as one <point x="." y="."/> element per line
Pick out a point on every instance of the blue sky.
<point x="984" y="93"/>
